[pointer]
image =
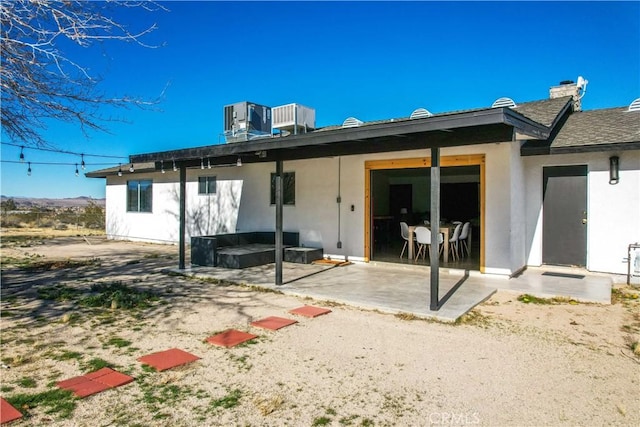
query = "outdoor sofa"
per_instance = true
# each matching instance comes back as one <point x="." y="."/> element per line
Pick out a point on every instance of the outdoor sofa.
<point x="248" y="249"/>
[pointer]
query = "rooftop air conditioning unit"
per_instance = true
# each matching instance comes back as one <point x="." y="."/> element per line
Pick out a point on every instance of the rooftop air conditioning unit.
<point x="294" y="118"/>
<point x="244" y="121"/>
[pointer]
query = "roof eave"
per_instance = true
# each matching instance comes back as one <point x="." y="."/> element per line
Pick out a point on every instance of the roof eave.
<point x="379" y="131"/>
<point x="104" y="173"/>
<point x="592" y="148"/>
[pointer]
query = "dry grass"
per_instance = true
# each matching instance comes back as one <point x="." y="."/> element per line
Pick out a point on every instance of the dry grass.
<point x="268" y="405"/>
<point x="341" y="369"/>
<point x="49" y="232"/>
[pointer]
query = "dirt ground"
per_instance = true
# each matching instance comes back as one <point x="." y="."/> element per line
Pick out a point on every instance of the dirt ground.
<point x="506" y="363"/>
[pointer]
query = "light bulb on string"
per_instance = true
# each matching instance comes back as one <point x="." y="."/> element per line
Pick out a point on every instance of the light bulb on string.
<point x="29" y="170"/>
<point x="201" y="163"/>
<point x="239" y="162"/>
<point x="82" y="164"/>
<point x="175" y="169"/>
<point x="119" y="169"/>
<point x="131" y="169"/>
<point x="77" y="173"/>
<point x="208" y="163"/>
<point x="162" y="166"/>
<point x="21" y="154"/>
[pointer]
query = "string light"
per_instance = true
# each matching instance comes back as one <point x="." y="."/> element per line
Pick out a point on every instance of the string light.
<point x="162" y="166"/>
<point x="83" y="164"/>
<point x="55" y="163"/>
<point x="175" y="169"/>
<point x="131" y="169"/>
<point x="53" y="150"/>
<point x="239" y="162"/>
<point x="201" y="163"/>
<point x="119" y="169"/>
<point x="208" y="163"/>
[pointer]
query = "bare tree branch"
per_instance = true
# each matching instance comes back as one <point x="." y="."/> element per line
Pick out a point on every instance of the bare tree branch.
<point x="40" y="82"/>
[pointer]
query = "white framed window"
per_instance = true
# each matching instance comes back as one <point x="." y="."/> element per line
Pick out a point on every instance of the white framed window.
<point x="140" y="195"/>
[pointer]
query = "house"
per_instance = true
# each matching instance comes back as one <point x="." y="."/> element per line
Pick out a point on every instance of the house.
<point x="542" y="182"/>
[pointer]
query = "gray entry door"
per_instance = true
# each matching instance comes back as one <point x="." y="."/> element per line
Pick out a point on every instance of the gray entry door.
<point x="564" y="228"/>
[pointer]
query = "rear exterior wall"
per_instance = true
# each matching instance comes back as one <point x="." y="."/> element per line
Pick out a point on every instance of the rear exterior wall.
<point x="242" y="203"/>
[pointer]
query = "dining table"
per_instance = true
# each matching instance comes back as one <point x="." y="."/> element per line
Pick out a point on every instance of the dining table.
<point x="444" y="229"/>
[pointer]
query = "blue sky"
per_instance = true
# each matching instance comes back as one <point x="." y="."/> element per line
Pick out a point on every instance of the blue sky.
<point x="371" y="60"/>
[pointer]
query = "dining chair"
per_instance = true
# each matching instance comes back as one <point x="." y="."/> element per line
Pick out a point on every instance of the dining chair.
<point x="464" y="239"/>
<point x="453" y="242"/>
<point x="404" y="232"/>
<point x="423" y="238"/>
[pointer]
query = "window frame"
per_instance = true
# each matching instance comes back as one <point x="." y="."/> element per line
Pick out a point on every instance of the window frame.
<point x="291" y="176"/>
<point x="208" y="179"/>
<point x="140" y="203"/>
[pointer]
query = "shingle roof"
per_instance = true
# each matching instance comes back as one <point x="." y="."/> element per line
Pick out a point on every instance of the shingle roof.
<point x="598" y="128"/>
<point x="545" y="112"/>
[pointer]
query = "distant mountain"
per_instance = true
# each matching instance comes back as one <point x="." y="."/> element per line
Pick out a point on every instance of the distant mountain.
<point x="29" y="202"/>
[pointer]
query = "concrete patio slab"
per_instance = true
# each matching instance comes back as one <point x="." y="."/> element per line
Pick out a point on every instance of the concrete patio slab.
<point x="390" y="288"/>
<point x="567" y="282"/>
<point x="399" y="288"/>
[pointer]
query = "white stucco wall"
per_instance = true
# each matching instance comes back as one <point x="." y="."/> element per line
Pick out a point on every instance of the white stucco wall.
<point x="242" y="204"/>
<point x="517" y="229"/>
<point x="613" y="210"/>
<point x="206" y="214"/>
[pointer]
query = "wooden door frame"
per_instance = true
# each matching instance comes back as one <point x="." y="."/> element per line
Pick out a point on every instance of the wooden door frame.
<point x="422" y="162"/>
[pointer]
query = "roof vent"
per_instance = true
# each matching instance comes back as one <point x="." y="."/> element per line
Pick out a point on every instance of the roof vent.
<point x="351" y="122"/>
<point x="635" y="105"/>
<point x="504" y="102"/>
<point x="420" y="113"/>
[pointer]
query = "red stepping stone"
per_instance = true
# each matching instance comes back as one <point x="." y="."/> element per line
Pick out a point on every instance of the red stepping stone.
<point x="95" y="382"/>
<point x="273" y="323"/>
<point x="109" y="377"/>
<point x="7" y="412"/>
<point x="99" y="373"/>
<point x="168" y="359"/>
<point x="230" y="338"/>
<point x="310" y="311"/>
<point x="82" y="386"/>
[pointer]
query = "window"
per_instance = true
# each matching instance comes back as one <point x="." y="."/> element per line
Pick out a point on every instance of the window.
<point x="206" y="185"/>
<point x="288" y="188"/>
<point x="139" y="196"/>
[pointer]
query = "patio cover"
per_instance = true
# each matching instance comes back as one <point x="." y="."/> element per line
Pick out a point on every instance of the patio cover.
<point x="463" y="128"/>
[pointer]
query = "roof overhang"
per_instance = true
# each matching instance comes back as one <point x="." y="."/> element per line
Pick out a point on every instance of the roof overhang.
<point x="537" y="148"/>
<point x="447" y="130"/>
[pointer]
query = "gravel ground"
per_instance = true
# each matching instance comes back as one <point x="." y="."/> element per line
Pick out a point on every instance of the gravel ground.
<point x="505" y="364"/>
